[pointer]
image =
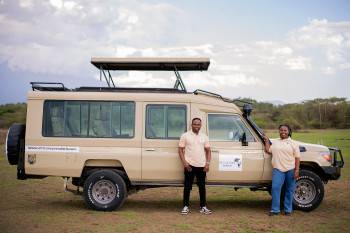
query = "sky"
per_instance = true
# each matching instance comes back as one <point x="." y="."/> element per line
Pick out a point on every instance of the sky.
<point x="287" y="51"/>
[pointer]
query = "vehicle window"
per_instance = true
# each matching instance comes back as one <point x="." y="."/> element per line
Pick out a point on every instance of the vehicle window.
<point x="100" y="119"/>
<point x="123" y="119"/>
<point x="165" y="121"/>
<point x="89" y="119"/>
<point x="76" y="119"/>
<point x="224" y="127"/>
<point x="53" y="124"/>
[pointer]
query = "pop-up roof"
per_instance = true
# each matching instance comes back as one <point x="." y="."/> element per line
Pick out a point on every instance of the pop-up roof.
<point x="151" y="63"/>
<point x="106" y="64"/>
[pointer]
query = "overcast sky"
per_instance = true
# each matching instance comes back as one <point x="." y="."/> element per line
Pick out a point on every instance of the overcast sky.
<point x="267" y="50"/>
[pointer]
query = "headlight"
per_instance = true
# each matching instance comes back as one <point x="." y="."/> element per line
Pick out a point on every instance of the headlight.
<point x="326" y="155"/>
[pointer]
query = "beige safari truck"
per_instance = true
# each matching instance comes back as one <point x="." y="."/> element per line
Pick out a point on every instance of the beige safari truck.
<point x="111" y="141"/>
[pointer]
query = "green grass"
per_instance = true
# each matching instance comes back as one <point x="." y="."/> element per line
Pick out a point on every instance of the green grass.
<point x="11" y="113"/>
<point x="42" y="206"/>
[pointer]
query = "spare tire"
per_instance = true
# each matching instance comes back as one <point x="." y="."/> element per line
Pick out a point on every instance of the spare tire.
<point x="15" y="142"/>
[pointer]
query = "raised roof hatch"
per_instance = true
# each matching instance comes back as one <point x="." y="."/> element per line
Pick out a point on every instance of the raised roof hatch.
<point x="176" y="64"/>
<point x="151" y="63"/>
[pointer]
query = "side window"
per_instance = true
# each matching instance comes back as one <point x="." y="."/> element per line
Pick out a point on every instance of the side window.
<point x="88" y="119"/>
<point x="123" y="119"/>
<point x="224" y="127"/>
<point x="100" y="119"/>
<point x="53" y="119"/>
<point x="165" y="121"/>
<point x="76" y="119"/>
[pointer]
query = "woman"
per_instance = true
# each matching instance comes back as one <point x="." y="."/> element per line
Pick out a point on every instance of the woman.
<point x="285" y="162"/>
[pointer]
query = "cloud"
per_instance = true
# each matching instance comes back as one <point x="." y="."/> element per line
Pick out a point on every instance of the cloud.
<point x="298" y="63"/>
<point x="45" y="36"/>
<point x="58" y="37"/>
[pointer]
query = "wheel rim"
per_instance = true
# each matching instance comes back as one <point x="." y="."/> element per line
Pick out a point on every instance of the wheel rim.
<point x="104" y="191"/>
<point x="305" y="191"/>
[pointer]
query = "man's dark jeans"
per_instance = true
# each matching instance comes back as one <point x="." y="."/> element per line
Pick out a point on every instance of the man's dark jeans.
<point x="189" y="177"/>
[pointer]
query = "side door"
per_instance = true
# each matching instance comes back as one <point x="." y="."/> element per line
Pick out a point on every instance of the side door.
<point x="232" y="161"/>
<point x="164" y="123"/>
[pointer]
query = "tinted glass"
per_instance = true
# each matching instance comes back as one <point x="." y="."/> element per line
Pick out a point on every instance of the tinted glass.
<point x="100" y="119"/>
<point x="76" y="119"/>
<point x="176" y="121"/>
<point x="165" y="121"/>
<point x="155" y="122"/>
<point x="53" y="124"/>
<point x="227" y="128"/>
<point x="89" y="119"/>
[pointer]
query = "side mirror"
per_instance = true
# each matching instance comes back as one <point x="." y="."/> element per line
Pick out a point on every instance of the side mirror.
<point x="243" y="139"/>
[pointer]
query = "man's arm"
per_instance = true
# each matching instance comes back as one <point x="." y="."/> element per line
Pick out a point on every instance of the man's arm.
<point x="208" y="158"/>
<point x="182" y="157"/>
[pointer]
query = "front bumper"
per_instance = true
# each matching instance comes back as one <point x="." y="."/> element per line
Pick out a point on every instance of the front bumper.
<point x="333" y="172"/>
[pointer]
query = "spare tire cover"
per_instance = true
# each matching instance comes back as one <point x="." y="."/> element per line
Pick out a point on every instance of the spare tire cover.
<point x="15" y="134"/>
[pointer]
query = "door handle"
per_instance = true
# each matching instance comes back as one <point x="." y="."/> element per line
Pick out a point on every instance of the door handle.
<point x="216" y="151"/>
<point x="150" y="149"/>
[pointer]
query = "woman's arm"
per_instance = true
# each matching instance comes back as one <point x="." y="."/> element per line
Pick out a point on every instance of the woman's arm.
<point x="297" y="166"/>
<point x="267" y="144"/>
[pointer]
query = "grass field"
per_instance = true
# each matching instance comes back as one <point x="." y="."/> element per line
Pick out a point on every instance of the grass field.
<point x="43" y="206"/>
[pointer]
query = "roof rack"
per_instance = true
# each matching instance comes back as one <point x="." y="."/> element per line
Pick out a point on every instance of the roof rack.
<point x="234" y="101"/>
<point x="48" y="86"/>
<point x="105" y="65"/>
<point x="130" y="89"/>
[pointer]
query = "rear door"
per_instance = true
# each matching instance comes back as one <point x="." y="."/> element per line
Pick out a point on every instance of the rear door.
<point x="164" y="123"/>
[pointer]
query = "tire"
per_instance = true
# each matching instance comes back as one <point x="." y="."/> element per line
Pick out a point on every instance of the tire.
<point x="15" y="142"/>
<point x="104" y="190"/>
<point x="309" y="191"/>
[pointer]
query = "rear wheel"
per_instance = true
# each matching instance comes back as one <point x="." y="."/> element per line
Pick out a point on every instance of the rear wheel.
<point x="104" y="190"/>
<point x="309" y="191"/>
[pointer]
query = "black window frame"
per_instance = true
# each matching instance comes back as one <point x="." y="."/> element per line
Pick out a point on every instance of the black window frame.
<point x="88" y="124"/>
<point x="166" y="129"/>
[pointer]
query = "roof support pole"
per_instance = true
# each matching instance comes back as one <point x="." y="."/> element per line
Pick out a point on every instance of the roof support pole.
<point x="104" y="74"/>
<point x="179" y="81"/>
<point x="110" y="78"/>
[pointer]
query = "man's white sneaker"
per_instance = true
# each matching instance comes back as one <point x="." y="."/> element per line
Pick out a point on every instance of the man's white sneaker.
<point x="205" y="210"/>
<point x="185" y="210"/>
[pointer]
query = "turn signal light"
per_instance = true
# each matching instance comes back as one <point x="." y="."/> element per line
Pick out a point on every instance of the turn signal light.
<point x="327" y="156"/>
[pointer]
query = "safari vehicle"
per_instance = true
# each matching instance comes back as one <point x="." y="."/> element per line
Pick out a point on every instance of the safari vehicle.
<point x="112" y="141"/>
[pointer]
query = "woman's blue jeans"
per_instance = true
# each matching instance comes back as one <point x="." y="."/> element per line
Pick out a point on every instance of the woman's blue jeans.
<point x="278" y="179"/>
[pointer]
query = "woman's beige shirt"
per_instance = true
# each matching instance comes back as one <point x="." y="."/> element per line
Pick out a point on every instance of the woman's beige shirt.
<point x="284" y="152"/>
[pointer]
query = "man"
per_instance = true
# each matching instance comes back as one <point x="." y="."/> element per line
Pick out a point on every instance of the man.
<point x="195" y="155"/>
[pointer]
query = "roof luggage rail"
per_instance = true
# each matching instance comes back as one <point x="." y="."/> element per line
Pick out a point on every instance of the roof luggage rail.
<point x="48" y="86"/>
<point x="131" y="89"/>
<point x="200" y="91"/>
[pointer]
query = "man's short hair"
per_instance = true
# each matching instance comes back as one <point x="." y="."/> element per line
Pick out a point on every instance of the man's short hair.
<point x="195" y="119"/>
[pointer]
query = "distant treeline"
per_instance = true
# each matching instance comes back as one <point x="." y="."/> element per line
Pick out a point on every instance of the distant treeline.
<point x="312" y="114"/>
<point x="12" y="113"/>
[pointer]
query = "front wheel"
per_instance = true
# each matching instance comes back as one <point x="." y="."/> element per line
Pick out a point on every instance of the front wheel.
<point x="309" y="191"/>
<point x="104" y="190"/>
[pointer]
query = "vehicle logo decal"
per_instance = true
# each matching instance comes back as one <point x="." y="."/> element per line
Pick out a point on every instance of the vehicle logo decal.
<point x="56" y="149"/>
<point x="230" y="162"/>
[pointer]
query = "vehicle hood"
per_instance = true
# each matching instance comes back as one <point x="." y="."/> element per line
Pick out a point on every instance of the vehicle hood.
<point x="310" y="146"/>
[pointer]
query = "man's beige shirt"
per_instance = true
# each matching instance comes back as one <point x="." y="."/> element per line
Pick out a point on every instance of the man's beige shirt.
<point x="284" y="152"/>
<point x="194" y="145"/>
